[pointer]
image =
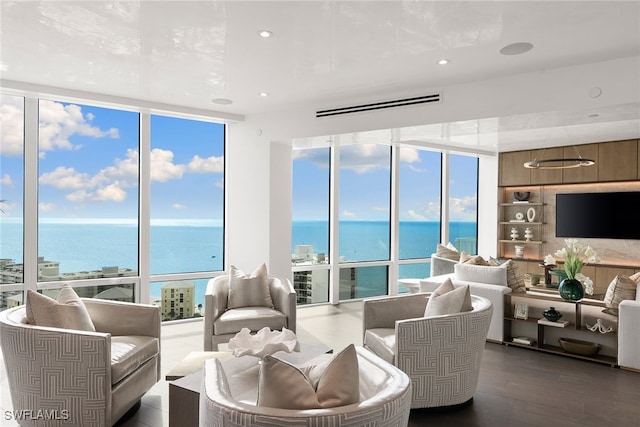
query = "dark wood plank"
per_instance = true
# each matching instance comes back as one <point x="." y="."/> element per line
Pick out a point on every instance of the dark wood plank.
<point x="520" y="387"/>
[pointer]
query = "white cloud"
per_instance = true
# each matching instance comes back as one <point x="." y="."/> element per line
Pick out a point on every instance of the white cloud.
<point x="6" y="180"/>
<point x="211" y="164"/>
<point x="348" y="214"/>
<point x="415" y="215"/>
<point x="220" y="184"/>
<point x="464" y="209"/>
<point x="110" y="193"/>
<point x="46" y="207"/>
<point x="65" y="179"/>
<point x="178" y="206"/>
<point x="162" y="167"/>
<point x="409" y="155"/>
<point x="58" y="123"/>
<point x="364" y="158"/>
<point x="11" y="125"/>
<point x="380" y="209"/>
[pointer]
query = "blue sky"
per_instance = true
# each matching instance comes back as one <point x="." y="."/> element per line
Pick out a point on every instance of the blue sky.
<point x="364" y="184"/>
<point x="88" y="163"/>
<point x="89" y="156"/>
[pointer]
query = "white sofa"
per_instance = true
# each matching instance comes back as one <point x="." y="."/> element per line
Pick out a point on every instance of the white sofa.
<point x="629" y="333"/>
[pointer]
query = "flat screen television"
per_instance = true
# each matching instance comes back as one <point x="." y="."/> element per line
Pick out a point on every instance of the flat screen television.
<point x="609" y="215"/>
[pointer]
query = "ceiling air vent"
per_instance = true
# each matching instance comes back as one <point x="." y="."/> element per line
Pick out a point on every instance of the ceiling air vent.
<point x="379" y="105"/>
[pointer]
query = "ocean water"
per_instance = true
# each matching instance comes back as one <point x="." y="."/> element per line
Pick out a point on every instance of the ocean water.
<point x="194" y="248"/>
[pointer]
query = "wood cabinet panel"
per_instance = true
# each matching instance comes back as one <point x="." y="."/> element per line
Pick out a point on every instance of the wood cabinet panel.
<point x="512" y="171"/>
<point x="547" y="176"/>
<point x="585" y="174"/>
<point x="618" y="160"/>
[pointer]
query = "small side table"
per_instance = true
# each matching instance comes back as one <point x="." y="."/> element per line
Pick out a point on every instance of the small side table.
<point x="185" y="380"/>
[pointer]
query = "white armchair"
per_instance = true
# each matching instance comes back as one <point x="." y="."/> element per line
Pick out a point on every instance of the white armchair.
<point x="221" y="323"/>
<point x="88" y="379"/>
<point x="441" y="354"/>
<point x="385" y="398"/>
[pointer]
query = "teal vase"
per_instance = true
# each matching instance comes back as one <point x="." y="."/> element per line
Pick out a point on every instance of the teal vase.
<point x="571" y="290"/>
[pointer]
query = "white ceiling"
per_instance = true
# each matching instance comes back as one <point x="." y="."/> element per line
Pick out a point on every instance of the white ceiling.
<point x="324" y="53"/>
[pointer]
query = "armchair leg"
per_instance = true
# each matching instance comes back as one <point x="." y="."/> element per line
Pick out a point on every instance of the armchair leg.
<point x="130" y="413"/>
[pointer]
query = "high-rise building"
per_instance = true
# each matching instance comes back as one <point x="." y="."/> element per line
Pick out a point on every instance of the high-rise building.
<point x="178" y="299"/>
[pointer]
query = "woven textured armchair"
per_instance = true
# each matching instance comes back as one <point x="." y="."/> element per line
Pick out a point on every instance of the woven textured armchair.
<point x="221" y="323"/>
<point x="441" y="354"/>
<point x="88" y="379"/>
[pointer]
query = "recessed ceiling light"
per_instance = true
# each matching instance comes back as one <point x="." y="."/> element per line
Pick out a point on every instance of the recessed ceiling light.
<point x="221" y="101"/>
<point x="593" y="115"/>
<point x="516" y="48"/>
<point x="264" y="94"/>
<point x="265" y="34"/>
<point x="443" y="61"/>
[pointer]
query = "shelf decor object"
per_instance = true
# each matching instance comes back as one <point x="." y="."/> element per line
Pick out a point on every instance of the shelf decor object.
<point x="576" y="256"/>
<point x="528" y="234"/>
<point x="531" y="214"/>
<point x="583" y="348"/>
<point x="552" y="314"/>
<point x="519" y="251"/>
<point x="521" y="196"/>
<point x="514" y="234"/>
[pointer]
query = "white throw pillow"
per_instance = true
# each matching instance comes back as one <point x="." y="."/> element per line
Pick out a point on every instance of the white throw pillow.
<point x="251" y="291"/>
<point x="334" y="382"/>
<point x="482" y="273"/>
<point x="66" y="311"/>
<point x="447" y="299"/>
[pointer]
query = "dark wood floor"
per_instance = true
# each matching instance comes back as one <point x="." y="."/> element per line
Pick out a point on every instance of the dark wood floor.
<point x="520" y="387"/>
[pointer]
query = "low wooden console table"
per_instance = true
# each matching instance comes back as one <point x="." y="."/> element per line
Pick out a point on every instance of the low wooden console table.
<point x="545" y="337"/>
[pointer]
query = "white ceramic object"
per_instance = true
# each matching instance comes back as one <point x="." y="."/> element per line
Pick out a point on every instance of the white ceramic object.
<point x="519" y="251"/>
<point x="528" y="234"/>
<point x="514" y="234"/>
<point x="531" y="214"/>
<point x="263" y="343"/>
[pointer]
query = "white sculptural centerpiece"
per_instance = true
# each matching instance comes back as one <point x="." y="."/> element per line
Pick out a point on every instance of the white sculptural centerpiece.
<point x="263" y="343"/>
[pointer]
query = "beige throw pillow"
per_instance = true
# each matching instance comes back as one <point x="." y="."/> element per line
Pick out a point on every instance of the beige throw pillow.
<point x="335" y="382"/>
<point x="465" y="258"/>
<point x="481" y="274"/>
<point x="515" y="278"/>
<point x="447" y="252"/>
<point x="621" y="288"/>
<point x="65" y="311"/>
<point x="251" y="291"/>
<point x="447" y="299"/>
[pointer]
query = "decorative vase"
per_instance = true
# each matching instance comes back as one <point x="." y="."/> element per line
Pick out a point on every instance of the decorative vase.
<point x="551" y="314"/>
<point x="514" y="234"/>
<point x="571" y="290"/>
<point x="519" y="251"/>
<point x="528" y="234"/>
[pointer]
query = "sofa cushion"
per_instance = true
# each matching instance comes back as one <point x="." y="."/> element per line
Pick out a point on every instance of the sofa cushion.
<point x="249" y="291"/>
<point x="253" y="318"/>
<point x="128" y="353"/>
<point x="382" y="342"/>
<point x="332" y="383"/>
<point x="465" y="258"/>
<point x="448" y="300"/>
<point x="621" y="288"/>
<point x="481" y="273"/>
<point x="449" y="252"/>
<point x="515" y="278"/>
<point x="65" y="311"/>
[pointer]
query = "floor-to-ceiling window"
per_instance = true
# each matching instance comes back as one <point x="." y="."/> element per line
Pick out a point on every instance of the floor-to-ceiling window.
<point x="93" y="225"/>
<point x="187" y="205"/>
<point x="364" y="215"/>
<point x="11" y="198"/>
<point x="310" y="224"/>
<point x="419" y="210"/>
<point x="463" y="202"/>
<point x="366" y="234"/>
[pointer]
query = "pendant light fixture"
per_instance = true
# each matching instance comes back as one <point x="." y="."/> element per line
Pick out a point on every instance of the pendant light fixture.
<point x="560" y="163"/>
